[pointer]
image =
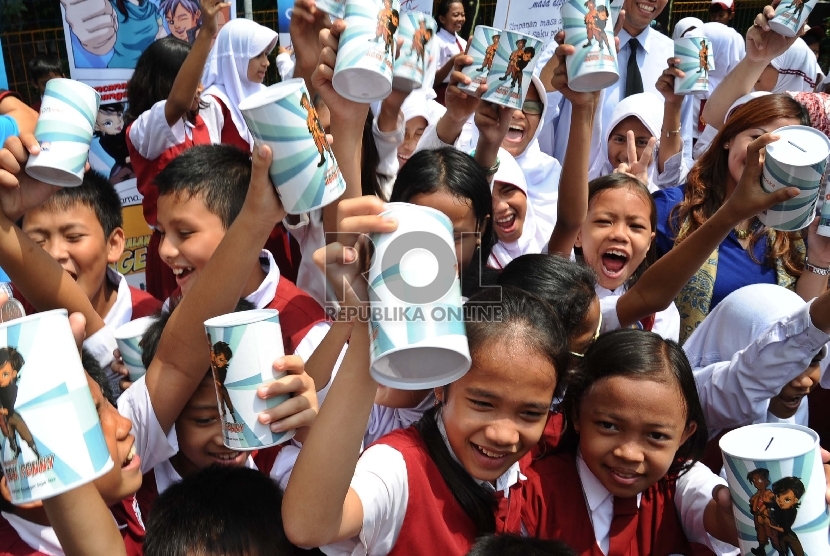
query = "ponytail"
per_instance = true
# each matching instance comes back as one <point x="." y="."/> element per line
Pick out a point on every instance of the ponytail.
<point x="477" y="502"/>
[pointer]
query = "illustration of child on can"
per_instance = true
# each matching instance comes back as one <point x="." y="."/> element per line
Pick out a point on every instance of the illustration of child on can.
<point x="784" y="509"/>
<point x="420" y="39"/>
<point x="595" y="25"/>
<point x="519" y="59"/>
<point x="798" y="6"/>
<point x="220" y="356"/>
<point x="388" y="20"/>
<point x="12" y="424"/>
<point x="490" y="54"/>
<point x="759" y="504"/>
<point x="703" y="56"/>
<point x="316" y="129"/>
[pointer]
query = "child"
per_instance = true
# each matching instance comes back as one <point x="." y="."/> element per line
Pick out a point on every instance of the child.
<point x="42" y="69"/>
<point x="450" y="19"/>
<point x="109" y="129"/>
<point x="235" y="70"/>
<point x="787" y="492"/>
<point x="12" y="424"/>
<point x="635" y="431"/>
<point x="759" y="507"/>
<point x="219" y="511"/>
<point x="81" y="228"/>
<point x="793" y="71"/>
<point x="184" y="18"/>
<point x="762" y="371"/>
<point x="447" y="473"/>
<point x="220" y="358"/>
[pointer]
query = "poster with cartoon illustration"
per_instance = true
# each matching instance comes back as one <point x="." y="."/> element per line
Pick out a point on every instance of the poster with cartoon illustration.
<point x="538" y="18"/>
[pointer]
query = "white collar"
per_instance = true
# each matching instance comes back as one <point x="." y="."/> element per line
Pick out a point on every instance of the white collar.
<point x="642" y="38"/>
<point x="266" y="291"/>
<point x="40" y="537"/>
<point x="509" y="478"/>
<point x="595" y="493"/>
<point x="602" y="292"/>
<point x="121" y="311"/>
<point x="446" y="35"/>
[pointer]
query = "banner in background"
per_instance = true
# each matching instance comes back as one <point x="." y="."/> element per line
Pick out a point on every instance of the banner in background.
<point x="424" y="6"/>
<point x="537" y="18"/>
<point x="284" y="9"/>
<point x="103" y="57"/>
<point x="4" y="81"/>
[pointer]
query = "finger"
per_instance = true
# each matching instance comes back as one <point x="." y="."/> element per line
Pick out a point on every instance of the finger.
<point x="304" y="418"/>
<point x="631" y="147"/>
<point x="360" y="206"/>
<point x="334" y="253"/>
<point x="9" y="163"/>
<point x="723" y="497"/>
<point x="124" y="384"/>
<point x="462" y="61"/>
<point x="261" y="164"/>
<point x="289" y="384"/>
<point x="284" y="410"/>
<point x="77" y="322"/>
<point x="16" y="148"/>
<point x="337" y="28"/>
<point x="559" y="37"/>
<point x="27" y="139"/>
<point x="291" y="364"/>
<point x="648" y="152"/>
<point x="618" y="25"/>
<point x="368" y="225"/>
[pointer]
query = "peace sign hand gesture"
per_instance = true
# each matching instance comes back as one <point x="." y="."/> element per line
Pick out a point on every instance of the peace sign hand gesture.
<point x="639" y="167"/>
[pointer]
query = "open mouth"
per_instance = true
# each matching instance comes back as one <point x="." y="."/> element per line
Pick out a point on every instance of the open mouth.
<point x="402" y="158"/>
<point x="623" y="477"/>
<point x="181" y="273"/>
<point x="490" y="454"/>
<point x="72" y="274"/>
<point x="515" y="134"/>
<point x="132" y="460"/>
<point x="614" y="262"/>
<point x="791" y="402"/>
<point x="229" y="458"/>
<point x="507" y="224"/>
<point x="646" y="8"/>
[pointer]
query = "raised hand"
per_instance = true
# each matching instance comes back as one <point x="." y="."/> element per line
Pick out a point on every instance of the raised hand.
<point x="665" y="83"/>
<point x="210" y="16"/>
<point x="261" y="192"/>
<point x="301" y="409"/>
<point x="637" y="167"/>
<point x="18" y="191"/>
<point x="306" y="23"/>
<point x="93" y="22"/>
<point x="762" y="43"/>
<point x="559" y="80"/>
<point x="341" y="108"/>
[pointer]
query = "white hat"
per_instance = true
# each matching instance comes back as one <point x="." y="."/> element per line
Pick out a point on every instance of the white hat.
<point x="725" y="4"/>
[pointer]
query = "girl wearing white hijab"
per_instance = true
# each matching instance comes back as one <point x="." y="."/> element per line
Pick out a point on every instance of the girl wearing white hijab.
<point x="684" y="26"/>
<point x="756" y="356"/>
<point x="235" y="70"/>
<point x="794" y="71"/>
<point x="642" y="113"/>
<point x="513" y="215"/>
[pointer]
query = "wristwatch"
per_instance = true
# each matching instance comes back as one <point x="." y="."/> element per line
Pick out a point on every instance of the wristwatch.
<point x="816" y="269"/>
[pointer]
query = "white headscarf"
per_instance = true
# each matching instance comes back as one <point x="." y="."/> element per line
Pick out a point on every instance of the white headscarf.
<point x="646" y="107"/>
<point x="796" y="69"/>
<point x="226" y="71"/>
<point x="684" y="25"/>
<point x="417" y="104"/>
<point x="728" y="48"/>
<point x="532" y="239"/>
<point x="738" y="321"/>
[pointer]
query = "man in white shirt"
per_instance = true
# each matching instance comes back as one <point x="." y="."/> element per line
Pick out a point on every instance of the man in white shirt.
<point x="653" y="50"/>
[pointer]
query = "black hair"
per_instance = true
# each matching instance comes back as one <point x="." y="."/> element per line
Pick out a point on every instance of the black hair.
<point x="443" y="9"/>
<point x="96" y="373"/>
<point x="370" y="158"/>
<point x="514" y="545"/>
<point x="96" y="193"/>
<point x="518" y="315"/>
<point x="152" y="336"/>
<point x="218" y="174"/>
<point x="452" y="171"/>
<point x="620" y="181"/>
<point x="114" y="108"/>
<point x="641" y="355"/>
<point x="13" y="357"/>
<point x="42" y="66"/>
<point x="533" y="50"/>
<point x="218" y="511"/>
<point x="759" y="472"/>
<point x="154" y="75"/>
<point x="567" y="286"/>
<point x="789" y="483"/>
<point x="222" y="348"/>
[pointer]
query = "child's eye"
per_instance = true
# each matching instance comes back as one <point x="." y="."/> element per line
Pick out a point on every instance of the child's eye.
<point x="637" y="227"/>
<point x="534" y="415"/>
<point x="480" y="404"/>
<point x="205" y="421"/>
<point x="73" y="238"/>
<point x="658" y="436"/>
<point x="605" y="425"/>
<point x="602" y="222"/>
<point x="184" y="233"/>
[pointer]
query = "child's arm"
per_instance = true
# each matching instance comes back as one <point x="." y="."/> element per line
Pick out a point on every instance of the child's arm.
<point x="573" y="184"/>
<point x="704" y="505"/>
<point x="306" y="24"/>
<point x="762" y="46"/>
<point x="187" y="80"/>
<point x="492" y="122"/>
<point x="337" y="513"/>
<point x="460" y="105"/>
<point x="322" y="361"/>
<point x="181" y="359"/>
<point x="347" y="121"/>
<point x="83" y="523"/>
<point x="671" y="142"/>
<point x="661" y="283"/>
<point x="25" y="117"/>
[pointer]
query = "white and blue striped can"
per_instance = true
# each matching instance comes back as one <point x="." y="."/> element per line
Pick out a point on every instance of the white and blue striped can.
<point x="797" y="159"/>
<point x="366" y="55"/>
<point x="588" y="28"/>
<point x="696" y="61"/>
<point x="790" y="16"/>
<point x="510" y="76"/>
<point x="50" y="435"/>
<point x="418" y="337"/>
<point x="128" y="338"/>
<point x="303" y="168"/>
<point x="417" y="31"/>
<point x="335" y="8"/>
<point x="482" y="49"/>
<point x="244" y="346"/>
<point x="64" y="132"/>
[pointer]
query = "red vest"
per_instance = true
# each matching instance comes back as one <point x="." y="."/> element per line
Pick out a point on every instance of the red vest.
<point x="147" y="170"/>
<point x="552" y="434"/>
<point x="434" y="520"/>
<point x="556" y="509"/>
<point x="230" y="135"/>
<point x="11" y="544"/>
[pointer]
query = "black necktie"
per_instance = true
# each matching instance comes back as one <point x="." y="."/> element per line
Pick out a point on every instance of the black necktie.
<point x="633" y="79"/>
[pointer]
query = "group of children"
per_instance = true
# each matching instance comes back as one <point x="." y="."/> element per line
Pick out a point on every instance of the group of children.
<point x="582" y="427"/>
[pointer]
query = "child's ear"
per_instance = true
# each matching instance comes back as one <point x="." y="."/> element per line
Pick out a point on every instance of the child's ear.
<point x="115" y="245"/>
<point x="7" y="496"/>
<point x="687" y="434"/>
<point x="578" y="240"/>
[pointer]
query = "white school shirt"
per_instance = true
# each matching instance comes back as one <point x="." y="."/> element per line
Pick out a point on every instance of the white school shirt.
<point x="383" y="420"/>
<point x="447" y="48"/>
<point x="693" y="493"/>
<point x="151" y="135"/>
<point x="666" y="322"/>
<point x="655" y="49"/>
<point x="737" y="392"/>
<point x="380" y="481"/>
<point x="387" y="143"/>
<point x="285" y="65"/>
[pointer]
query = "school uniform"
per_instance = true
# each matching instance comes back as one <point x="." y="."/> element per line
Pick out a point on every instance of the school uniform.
<point x="408" y="509"/>
<point x="19" y="537"/>
<point x="449" y="44"/>
<point x="666" y="323"/>
<point x="383" y="419"/>
<point x="566" y="501"/>
<point x="387" y="143"/>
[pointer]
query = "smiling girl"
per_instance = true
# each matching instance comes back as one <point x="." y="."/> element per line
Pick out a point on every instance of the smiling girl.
<point x="451" y="18"/>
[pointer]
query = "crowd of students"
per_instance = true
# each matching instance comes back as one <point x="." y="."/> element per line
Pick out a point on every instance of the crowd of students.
<point x="617" y="230"/>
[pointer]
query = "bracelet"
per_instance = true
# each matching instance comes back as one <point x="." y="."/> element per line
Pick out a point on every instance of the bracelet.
<point x="816" y="269"/>
<point x="491" y="171"/>
<point x="672" y="132"/>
